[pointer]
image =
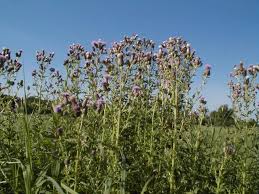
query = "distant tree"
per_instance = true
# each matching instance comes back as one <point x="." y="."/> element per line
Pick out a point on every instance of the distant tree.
<point x="222" y="117"/>
<point x="32" y="105"/>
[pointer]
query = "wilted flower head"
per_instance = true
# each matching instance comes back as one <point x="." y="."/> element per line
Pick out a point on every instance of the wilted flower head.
<point x="202" y="100"/>
<point x="105" y="81"/>
<point x="59" y="131"/>
<point x="88" y="55"/>
<point x="2" y="60"/>
<point x="120" y="59"/>
<point x="34" y="73"/>
<point x="99" y="44"/>
<point x="17" y="66"/>
<point x="19" y="53"/>
<point x="207" y="70"/>
<point x="52" y="69"/>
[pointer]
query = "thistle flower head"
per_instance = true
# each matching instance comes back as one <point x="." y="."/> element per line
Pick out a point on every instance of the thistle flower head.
<point x="203" y="101"/>
<point x="99" y="44"/>
<point x="72" y="99"/>
<point x="206" y="72"/>
<point x="136" y="90"/>
<point x="34" y="73"/>
<point x="208" y="66"/>
<point x="52" y="69"/>
<point x="76" y="109"/>
<point x="2" y="60"/>
<point x="59" y="131"/>
<point x="100" y="104"/>
<point x="57" y="108"/>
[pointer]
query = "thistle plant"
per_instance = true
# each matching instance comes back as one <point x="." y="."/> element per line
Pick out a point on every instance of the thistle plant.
<point x="244" y="96"/>
<point x="244" y="91"/>
<point x="9" y="68"/>
<point x="40" y="81"/>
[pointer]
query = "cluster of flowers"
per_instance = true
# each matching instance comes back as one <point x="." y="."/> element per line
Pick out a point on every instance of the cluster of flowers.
<point x="12" y="65"/>
<point x="43" y="59"/>
<point x="244" y="88"/>
<point x="9" y="67"/>
<point x="245" y="78"/>
<point x="44" y="82"/>
<point x="133" y="50"/>
<point x="125" y="54"/>
<point x="130" y="67"/>
<point x="177" y="62"/>
<point x="78" y="107"/>
<point x="75" y="53"/>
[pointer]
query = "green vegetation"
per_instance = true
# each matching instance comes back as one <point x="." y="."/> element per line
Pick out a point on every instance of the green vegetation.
<point x="123" y="121"/>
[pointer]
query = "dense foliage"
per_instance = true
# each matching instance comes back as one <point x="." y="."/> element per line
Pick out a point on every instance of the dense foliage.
<point x="123" y="120"/>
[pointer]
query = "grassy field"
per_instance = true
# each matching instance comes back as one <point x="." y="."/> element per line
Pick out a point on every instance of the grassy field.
<point x="86" y="155"/>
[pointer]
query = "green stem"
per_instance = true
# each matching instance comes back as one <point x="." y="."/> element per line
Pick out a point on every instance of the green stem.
<point x="219" y="178"/>
<point x="28" y="175"/>
<point x="172" y="178"/>
<point x="78" y="151"/>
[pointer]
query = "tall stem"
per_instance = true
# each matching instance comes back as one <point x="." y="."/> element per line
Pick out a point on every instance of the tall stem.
<point x="78" y="151"/>
<point x="172" y="178"/>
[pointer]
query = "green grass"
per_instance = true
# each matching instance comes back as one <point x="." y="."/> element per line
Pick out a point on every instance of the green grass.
<point x="86" y="159"/>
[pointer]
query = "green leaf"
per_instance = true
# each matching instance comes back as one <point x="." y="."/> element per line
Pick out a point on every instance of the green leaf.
<point x="56" y="185"/>
<point x="146" y="184"/>
<point x="68" y="189"/>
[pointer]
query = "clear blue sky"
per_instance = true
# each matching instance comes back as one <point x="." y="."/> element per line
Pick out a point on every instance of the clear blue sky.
<point x="223" y="32"/>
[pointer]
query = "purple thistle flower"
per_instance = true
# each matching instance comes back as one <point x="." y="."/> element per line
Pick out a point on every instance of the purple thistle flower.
<point x="65" y="94"/>
<point x="57" y="108"/>
<point x="76" y="109"/>
<point x="65" y="98"/>
<point x="136" y="90"/>
<point x="100" y="103"/>
<point x="208" y="66"/>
